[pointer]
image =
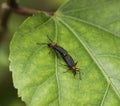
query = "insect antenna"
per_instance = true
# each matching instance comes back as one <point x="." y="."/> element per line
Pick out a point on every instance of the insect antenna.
<point x="49" y="38"/>
<point x="41" y="43"/>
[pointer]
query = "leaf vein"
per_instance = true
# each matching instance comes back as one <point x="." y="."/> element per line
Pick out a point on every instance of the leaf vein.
<point x="92" y="55"/>
<point x="88" y="23"/>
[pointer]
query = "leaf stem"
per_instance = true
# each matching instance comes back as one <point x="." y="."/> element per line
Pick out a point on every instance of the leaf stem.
<point x="9" y="7"/>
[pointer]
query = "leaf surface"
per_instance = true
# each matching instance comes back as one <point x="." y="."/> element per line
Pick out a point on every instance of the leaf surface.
<point x="90" y="31"/>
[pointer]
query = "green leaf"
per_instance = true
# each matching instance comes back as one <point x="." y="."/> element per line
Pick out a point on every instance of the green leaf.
<point x="90" y="31"/>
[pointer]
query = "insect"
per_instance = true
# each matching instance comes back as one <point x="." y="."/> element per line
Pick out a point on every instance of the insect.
<point x="71" y="64"/>
<point x="64" y="54"/>
<point x="56" y="47"/>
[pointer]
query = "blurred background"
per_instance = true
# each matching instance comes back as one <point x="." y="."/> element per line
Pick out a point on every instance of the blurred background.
<point x="8" y="94"/>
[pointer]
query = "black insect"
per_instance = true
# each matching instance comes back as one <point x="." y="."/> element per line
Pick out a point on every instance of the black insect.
<point x="58" y="48"/>
<point x="71" y="64"/>
<point x="64" y="54"/>
<point x="55" y="47"/>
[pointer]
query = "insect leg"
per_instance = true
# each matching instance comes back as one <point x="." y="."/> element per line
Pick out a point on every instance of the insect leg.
<point x="79" y="74"/>
<point x="65" y="71"/>
<point x="63" y="64"/>
<point x="76" y="63"/>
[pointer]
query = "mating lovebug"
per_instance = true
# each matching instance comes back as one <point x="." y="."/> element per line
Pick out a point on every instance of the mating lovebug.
<point x="66" y="57"/>
<point x="55" y="47"/>
<point x="71" y="64"/>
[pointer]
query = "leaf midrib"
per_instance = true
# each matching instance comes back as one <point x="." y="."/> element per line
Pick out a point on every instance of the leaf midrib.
<point x="56" y="66"/>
